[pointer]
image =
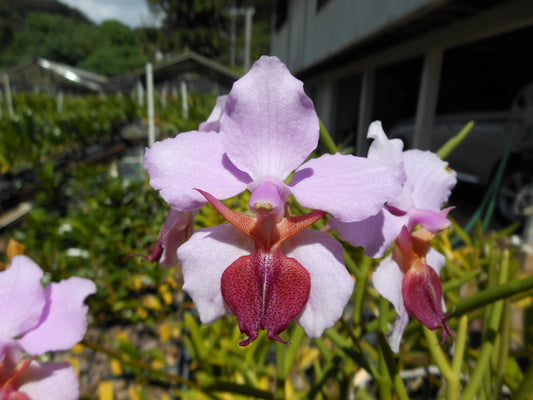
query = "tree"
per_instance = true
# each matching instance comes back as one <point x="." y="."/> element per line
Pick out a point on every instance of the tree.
<point x="198" y="25"/>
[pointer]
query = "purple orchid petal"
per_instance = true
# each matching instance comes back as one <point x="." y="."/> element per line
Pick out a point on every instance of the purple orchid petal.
<point x="213" y="121"/>
<point x="64" y="308"/>
<point x="22" y="298"/>
<point x="270" y="125"/>
<point x="394" y="337"/>
<point x="375" y="234"/>
<point x="45" y="381"/>
<point x="331" y="284"/>
<point x="192" y="160"/>
<point x="431" y="179"/>
<point x="383" y="149"/>
<point x="204" y="258"/>
<point x="431" y="220"/>
<point x="387" y="279"/>
<point x="176" y="230"/>
<point x="348" y="187"/>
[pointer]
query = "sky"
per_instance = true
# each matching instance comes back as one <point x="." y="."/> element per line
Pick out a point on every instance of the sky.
<point x="131" y="12"/>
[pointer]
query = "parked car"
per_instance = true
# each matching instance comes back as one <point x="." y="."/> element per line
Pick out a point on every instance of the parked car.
<point x="477" y="159"/>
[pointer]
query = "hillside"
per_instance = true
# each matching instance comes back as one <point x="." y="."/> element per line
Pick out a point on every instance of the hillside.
<point x="46" y="28"/>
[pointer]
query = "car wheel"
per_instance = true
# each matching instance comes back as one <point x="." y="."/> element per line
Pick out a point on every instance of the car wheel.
<point x="511" y="196"/>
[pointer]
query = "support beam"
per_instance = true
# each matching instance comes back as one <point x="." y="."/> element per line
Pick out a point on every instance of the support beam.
<point x="365" y="111"/>
<point x="250" y="11"/>
<point x="325" y="104"/>
<point x="427" y="99"/>
<point x="506" y="17"/>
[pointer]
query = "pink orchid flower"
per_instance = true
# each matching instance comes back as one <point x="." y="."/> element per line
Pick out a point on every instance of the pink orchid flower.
<point x="264" y="270"/>
<point x="409" y="277"/>
<point x="35" y="320"/>
<point x="263" y="131"/>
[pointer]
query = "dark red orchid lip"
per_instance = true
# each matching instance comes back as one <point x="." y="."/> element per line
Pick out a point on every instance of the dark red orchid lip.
<point x="265" y="290"/>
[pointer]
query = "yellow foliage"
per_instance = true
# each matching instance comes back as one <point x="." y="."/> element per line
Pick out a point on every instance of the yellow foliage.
<point x="289" y="390"/>
<point x="123" y="335"/>
<point x="134" y="392"/>
<point x="151" y="302"/>
<point x="15" y="248"/>
<point x="165" y="332"/>
<point x="138" y="282"/>
<point x="172" y="282"/>
<point x="308" y="358"/>
<point x="78" y="348"/>
<point x="116" y="367"/>
<point x="106" y="390"/>
<point x="158" y="364"/>
<point x="142" y="313"/>
<point x="75" y="362"/>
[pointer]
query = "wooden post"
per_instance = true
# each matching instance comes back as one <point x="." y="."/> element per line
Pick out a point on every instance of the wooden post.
<point x="250" y="11"/>
<point x="140" y="94"/>
<point x="365" y="111"/>
<point x="60" y="101"/>
<point x="9" y="99"/>
<point x="150" y="102"/>
<point x="184" y="100"/>
<point x="427" y="99"/>
<point x="325" y="104"/>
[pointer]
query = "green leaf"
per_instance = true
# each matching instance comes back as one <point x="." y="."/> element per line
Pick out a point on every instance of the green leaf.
<point x="448" y="147"/>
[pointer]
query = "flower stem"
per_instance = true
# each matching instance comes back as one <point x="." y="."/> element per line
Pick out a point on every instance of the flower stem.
<point x="326" y="139"/>
<point x="492" y="325"/>
<point x="493" y="294"/>
<point x="387" y="361"/>
<point x="362" y="282"/>
<point x="453" y="379"/>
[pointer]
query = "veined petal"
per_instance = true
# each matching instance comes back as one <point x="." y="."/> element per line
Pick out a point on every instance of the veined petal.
<point x="431" y="179"/>
<point x="204" y="258"/>
<point x="348" y="187"/>
<point x="270" y="125"/>
<point x="192" y="160"/>
<point x="375" y="234"/>
<point x="64" y="319"/>
<point x="45" y="381"/>
<point x="388" y="279"/>
<point x="331" y="284"/>
<point x="22" y="297"/>
<point x="212" y="124"/>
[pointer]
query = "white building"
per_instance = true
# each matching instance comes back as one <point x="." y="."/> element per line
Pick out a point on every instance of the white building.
<point x="393" y="59"/>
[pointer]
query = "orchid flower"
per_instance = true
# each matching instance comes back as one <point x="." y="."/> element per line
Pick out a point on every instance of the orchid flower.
<point x="177" y="228"/>
<point x="267" y="269"/>
<point x="267" y="127"/>
<point x="409" y="277"/>
<point x="35" y="320"/>
<point x="266" y="272"/>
